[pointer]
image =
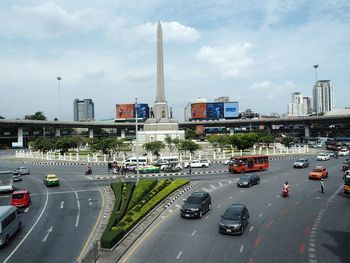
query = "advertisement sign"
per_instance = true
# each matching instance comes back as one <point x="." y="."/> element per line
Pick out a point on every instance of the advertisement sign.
<point x="215" y="110"/>
<point x="142" y="111"/>
<point x="124" y="111"/>
<point x="231" y="110"/>
<point x="199" y="111"/>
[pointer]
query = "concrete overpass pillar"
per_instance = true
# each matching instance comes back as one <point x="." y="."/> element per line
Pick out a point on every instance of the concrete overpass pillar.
<point x="91" y="133"/>
<point x="307" y="130"/>
<point x="20" y="136"/>
<point x="122" y="133"/>
<point x="57" y="132"/>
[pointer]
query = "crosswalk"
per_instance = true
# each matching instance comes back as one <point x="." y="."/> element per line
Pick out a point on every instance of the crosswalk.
<point x="218" y="184"/>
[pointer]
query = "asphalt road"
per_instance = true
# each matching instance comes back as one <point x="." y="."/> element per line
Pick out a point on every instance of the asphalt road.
<point x="308" y="226"/>
<point x="59" y="220"/>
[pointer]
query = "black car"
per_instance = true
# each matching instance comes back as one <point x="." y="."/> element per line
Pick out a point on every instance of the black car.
<point x="248" y="180"/>
<point x="301" y="163"/>
<point x="234" y="220"/>
<point x="196" y="205"/>
<point x="346" y="165"/>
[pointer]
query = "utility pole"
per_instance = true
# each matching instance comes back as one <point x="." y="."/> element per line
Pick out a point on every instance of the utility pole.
<point x="137" y="143"/>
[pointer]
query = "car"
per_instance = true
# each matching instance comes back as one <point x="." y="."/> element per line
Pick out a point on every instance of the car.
<point x="323" y="157"/>
<point x="346" y="165"/>
<point x="196" y="164"/>
<point x="205" y="161"/>
<point x="21" y="171"/>
<point x="20" y="198"/>
<point x="226" y="162"/>
<point x="301" y="163"/>
<point x="318" y="173"/>
<point x="234" y="220"/>
<point x="343" y="152"/>
<point x="196" y="205"/>
<point x="145" y="169"/>
<point x="16" y="177"/>
<point x="248" y="180"/>
<point x="51" y="180"/>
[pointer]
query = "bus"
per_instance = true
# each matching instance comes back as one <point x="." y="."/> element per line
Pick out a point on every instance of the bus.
<point x="346" y="186"/>
<point x="243" y="164"/>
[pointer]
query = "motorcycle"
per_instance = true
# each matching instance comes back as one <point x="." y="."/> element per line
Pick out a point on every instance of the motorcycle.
<point x="285" y="192"/>
<point x="87" y="172"/>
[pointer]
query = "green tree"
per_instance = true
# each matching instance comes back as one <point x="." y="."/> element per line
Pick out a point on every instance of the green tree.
<point x="188" y="145"/>
<point x="154" y="147"/>
<point x="266" y="138"/>
<point x="105" y="145"/>
<point x="170" y="143"/>
<point x="287" y="141"/>
<point x="39" y="115"/>
<point x="244" y="141"/>
<point x="191" y="135"/>
<point x="64" y="144"/>
<point x="219" y="141"/>
<point x="43" y="144"/>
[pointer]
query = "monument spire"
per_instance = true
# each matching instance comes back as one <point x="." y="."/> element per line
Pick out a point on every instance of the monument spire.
<point x="160" y="108"/>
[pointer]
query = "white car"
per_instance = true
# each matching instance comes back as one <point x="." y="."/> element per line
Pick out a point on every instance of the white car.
<point x="226" y="162"/>
<point x="323" y="157"/>
<point x="197" y="164"/>
<point x="343" y="152"/>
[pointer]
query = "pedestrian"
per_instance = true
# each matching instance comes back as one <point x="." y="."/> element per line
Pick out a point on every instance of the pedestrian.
<point x="322" y="186"/>
<point x="190" y="169"/>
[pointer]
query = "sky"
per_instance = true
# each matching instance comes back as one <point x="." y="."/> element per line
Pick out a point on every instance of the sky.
<point x="256" y="52"/>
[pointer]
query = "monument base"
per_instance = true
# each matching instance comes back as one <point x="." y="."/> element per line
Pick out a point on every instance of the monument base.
<point x="158" y="130"/>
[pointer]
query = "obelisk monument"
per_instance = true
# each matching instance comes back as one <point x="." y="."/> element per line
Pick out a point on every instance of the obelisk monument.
<point x="160" y="125"/>
<point x="160" y="108"/>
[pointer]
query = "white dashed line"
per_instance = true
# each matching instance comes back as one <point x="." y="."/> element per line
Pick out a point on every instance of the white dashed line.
<point x="260" y="215"/>
<point x="206" y="217"/>
<point x="212" y="186"/>
<point x="177" y="205"/>
<point x="205" y="189"/>
<point x="179" y="255"/>
<point x="269" y="204"/>
<point x="251" y="229"/>
<point x="170" y="210"/>
<point x="221" y="184"/>
<point x="62" y="204"/>
<point x="278" y="196"/>
<point x="230" y="198"/>
<point x="241" y="249"/>
<point x="218" y="206"/>
<point x="194" y="232"/>
<point x="241" y="191"/>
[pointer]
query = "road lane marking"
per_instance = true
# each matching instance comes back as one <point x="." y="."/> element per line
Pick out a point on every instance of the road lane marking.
<point x="30" y="230"/>
<point x="212" y="186"/>
<point x="258" y="240"/>
<point x="221" y="184"/>
<point x="179" y="255"/>
<point x="5" y="196"/>
<point x="62" y="204"/>
<point x="206" y="217"/>
<point x="230" y="198"/>
<point x="26" y="210"/>
<point x="90" y="201"/>
<point x="218" y="206"/>
<point x="78" y="204"/>
<point x="170" y="210"/>
<point x="241" y="249"/>
<point x="194" y="232"/>
<point x="205" y="189"/>
<point x="260" y="215"/>
<point x="241" y="191"/>
<point x="177" y="205"/>
<point x="302" y="248"/>
<point x="47" y="234"/>
<point x="251" y="229"/>
<point x="67" y="192"/>
<point x="269" y="204"/>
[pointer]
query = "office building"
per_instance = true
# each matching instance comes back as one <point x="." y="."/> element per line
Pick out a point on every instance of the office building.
<point x="83" y="110"/>
<point x="299" y="105"/>
<point x="323" y="97"/>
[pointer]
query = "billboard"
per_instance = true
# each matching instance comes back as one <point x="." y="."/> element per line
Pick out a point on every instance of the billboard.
<point x="231" y="110"/>
<point x="142" y="111"/>
<point x="215" y="110"/>
<point x="199" y="111"/>
<point x="124" y="111"/>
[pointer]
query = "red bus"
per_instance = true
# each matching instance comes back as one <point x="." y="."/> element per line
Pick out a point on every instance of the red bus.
<point x="243" y="164"/>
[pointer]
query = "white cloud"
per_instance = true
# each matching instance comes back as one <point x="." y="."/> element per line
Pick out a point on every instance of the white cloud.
<point x="172" y="31"/>
<point x="271" y="90"/>
<point x="49" y="20"/>
<point x="232" y="61"/>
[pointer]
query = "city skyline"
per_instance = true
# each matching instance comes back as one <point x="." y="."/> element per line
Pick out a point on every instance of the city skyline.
<point x="255" y="53"/>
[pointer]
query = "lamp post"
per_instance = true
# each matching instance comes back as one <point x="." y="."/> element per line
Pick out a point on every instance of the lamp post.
<point x="315" y="67"/>
<point x="137" y="143"/>
<point x="59" y="96"/>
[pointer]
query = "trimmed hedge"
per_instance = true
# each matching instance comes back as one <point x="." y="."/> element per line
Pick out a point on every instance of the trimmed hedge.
<point x="141" y="190"/>
<point x="110" y="237"/>
<point x="138" y="215"/>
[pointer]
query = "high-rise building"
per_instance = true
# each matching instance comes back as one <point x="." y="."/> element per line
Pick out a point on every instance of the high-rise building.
<point x="83" y="110"/>
<point x="222" y="99"/>
<point x="323" y="97"/>
<point x="299" y="105"/>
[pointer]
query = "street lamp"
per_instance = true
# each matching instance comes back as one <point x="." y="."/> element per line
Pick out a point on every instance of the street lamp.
<point x="315" y="66"/>
<point x="137" y="143"/>
<point x="59" y="96"/>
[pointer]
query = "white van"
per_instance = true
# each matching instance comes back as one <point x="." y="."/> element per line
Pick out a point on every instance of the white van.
<point x="132" y="161"/>
<point x="9" y="223"/>
<point x="166" y="160"/>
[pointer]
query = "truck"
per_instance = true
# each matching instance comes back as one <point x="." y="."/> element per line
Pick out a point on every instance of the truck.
<point x="6" y="183"/>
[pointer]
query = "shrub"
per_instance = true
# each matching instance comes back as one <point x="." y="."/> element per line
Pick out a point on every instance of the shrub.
<point x="141" y="190"/>
<point x="130" y="213"/>
<point x="128" y="219"/>
<point x="137" y="208"/>
<point x="114" y="228"/>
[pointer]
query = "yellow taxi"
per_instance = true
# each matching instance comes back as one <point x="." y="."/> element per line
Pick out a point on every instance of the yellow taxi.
<point x="318" y="173"/>
<point x="51" y="180"/>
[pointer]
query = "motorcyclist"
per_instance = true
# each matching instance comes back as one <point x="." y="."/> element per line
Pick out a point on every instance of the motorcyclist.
<point x="88" y="169"/>
<point x="286" y="187"/>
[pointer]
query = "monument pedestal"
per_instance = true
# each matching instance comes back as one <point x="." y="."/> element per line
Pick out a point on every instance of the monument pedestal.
<point x="154" y="130"/>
